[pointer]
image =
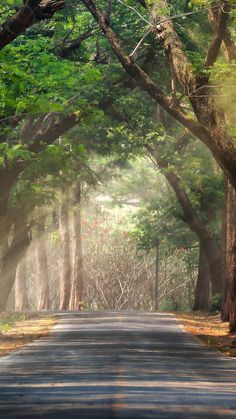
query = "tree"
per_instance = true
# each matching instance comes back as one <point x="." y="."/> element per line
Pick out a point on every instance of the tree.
<point x="12" y="256"/>
<point x="197" y="187"/>
<point x="21" y="294"/>
<point x="202" y="290"/>
<point x="209" y="125"/>
<point x="207" y="240"/>
<point x="77" y="273"/>
<point x="42" y="267"/>
<point x="229" y="259"/>
<point x="93" y="88"/>
<point x="65" y="276"/>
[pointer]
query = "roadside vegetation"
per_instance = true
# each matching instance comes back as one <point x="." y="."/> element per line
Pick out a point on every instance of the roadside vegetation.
<point x="18" y="330"/>
<point x="210" y="331"/>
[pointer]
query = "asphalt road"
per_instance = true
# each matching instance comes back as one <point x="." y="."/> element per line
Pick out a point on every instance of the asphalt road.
<point x="117" y="365"/>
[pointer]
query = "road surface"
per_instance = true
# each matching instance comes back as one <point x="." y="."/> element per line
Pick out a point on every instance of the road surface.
<point x="128" y="365"/>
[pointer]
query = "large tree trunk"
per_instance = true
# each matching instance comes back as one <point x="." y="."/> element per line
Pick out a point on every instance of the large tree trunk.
<point x="65" y="277"/>
<point x="230" y="280"/>
<point x="21" y="294"/>
<point x="42" y="268"/>
<point x="224" y="254"/>
<point x="77" y="275"/>
<point x="202" y="290"/>
<point x="228" y="218"/>
<point x="228" y="309"/>
<point x="11" y="257"/>
<point x="213" y="255"/>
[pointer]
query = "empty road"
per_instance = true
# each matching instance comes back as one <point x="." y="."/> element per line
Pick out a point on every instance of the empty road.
<point x="129" y="365"/>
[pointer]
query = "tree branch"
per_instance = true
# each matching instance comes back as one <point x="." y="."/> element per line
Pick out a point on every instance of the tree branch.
<point x="42" y="134"/>
<point x="228" y="40"/>
<point x="220" y="28"/>
<point x="31" y="12"/>
<point x="222" y="148"/>
<point x="74" y="45"/>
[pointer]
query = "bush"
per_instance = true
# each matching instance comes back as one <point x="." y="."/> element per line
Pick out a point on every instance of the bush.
<point x="215" y="304"/>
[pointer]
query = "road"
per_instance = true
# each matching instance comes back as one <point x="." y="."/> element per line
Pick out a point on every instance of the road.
<point x="122" y="365"/>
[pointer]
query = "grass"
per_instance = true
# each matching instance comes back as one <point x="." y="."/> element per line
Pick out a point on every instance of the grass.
<point x="17" y="330"/>
<point x="210" y="330"/>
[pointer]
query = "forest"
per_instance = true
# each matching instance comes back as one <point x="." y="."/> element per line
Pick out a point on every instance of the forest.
<point x="118" y="155"/>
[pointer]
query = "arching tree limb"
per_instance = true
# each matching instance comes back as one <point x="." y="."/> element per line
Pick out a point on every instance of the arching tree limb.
<point x="31" y="12"/>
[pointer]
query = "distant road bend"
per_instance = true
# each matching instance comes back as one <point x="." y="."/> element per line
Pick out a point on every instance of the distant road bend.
<point x="129" y="365"/>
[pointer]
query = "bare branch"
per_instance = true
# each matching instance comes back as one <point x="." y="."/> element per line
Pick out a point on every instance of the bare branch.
<point x="74" y="45"/>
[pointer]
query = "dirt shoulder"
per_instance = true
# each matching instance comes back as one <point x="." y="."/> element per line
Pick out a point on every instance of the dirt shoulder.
<point x="210" y="330"/>
<point x="17" y="330"/>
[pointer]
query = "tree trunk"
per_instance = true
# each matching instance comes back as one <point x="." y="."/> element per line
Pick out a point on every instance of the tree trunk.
<point x="206" y="237"/>
<point x="228" y="309"/>
<point x="77" y="274"/>
<point x="10" y="306"/>
<point x="212" y="253"/>
<point x="224" y="263"/>
<point x="156" y="289"/>
<point x="11" y="258"/>
<point x="65" y="277"/>
<point x="202" y="290"/>
<point x="42" y="268"/>
<point x="228" y="218"/>
<point x="230" y="297"/>
<point x="21" y="295"/>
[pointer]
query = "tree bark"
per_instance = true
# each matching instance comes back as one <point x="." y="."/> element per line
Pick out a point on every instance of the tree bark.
<point x="21" y="294"/>
<point x="230" y="285"/>
<point x="212" y="252"/>
<point x="224" y="263"/>
<point x="77" y="274"/>
<point x="65" y="277"/>
<point x="228" y="308"/>
<point x="42" y="267"/>
<point x="202" y="290"/>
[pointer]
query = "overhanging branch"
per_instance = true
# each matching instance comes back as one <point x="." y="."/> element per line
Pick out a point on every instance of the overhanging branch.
<point x="31" y="12"/>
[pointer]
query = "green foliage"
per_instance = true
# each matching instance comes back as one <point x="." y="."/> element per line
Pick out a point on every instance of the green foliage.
<point x="161" y="221"/>
<point x="33" y="79"/>
<point x="7" y="321"/>
<point x="224" y="81"/>
<point x="215" y="304"/>
<point x="14" y="153"/>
